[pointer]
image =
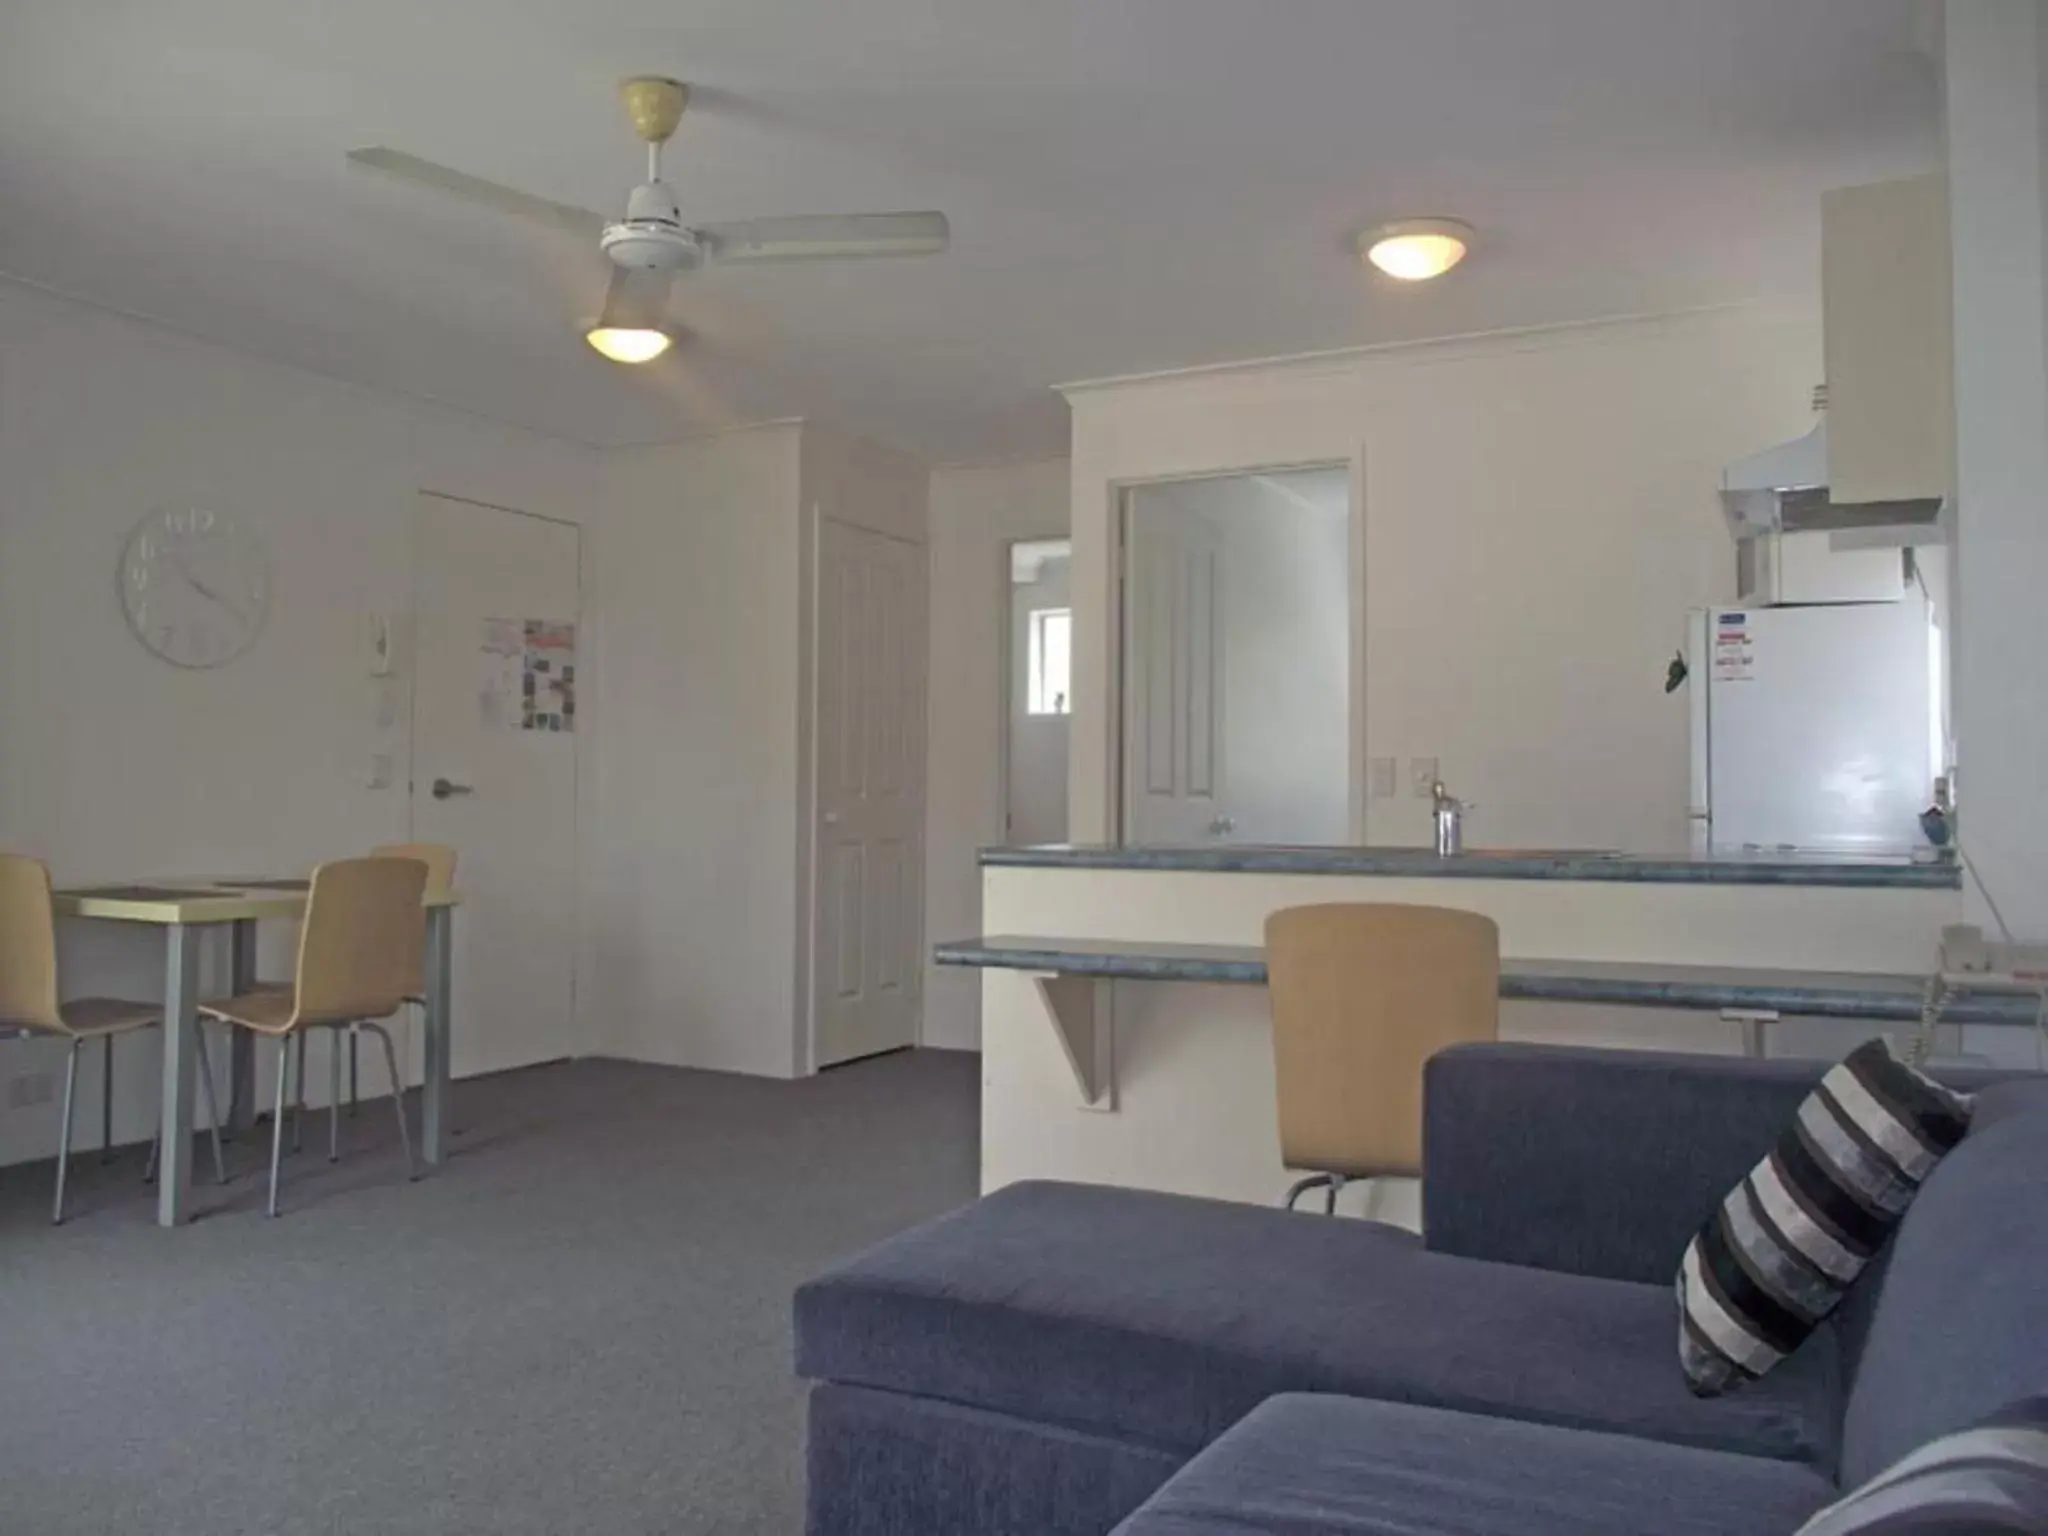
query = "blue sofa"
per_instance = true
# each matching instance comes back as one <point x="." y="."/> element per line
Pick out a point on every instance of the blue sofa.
<point x="1061" y="1358"/>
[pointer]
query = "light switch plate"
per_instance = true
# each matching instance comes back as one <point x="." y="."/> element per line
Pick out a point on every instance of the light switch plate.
<point x="1385" y="772"/>
<point x="1422" y="776"/>
<point x="380" y="770"/>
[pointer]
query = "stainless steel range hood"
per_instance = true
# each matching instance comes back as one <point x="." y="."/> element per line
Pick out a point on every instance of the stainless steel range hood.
<point x="1785" y="490"/>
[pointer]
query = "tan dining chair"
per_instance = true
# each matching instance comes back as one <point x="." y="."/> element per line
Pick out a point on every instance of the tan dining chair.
<point x="359" y="956"/>
<point x="1363" y="994"/>
<point x="440" y="861"/>
<point x="29" y="1004"/>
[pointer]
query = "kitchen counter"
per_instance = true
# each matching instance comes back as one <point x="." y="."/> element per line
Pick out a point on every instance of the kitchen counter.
<point x="1792" y="869"/>
<point x="1109" y="1054"/>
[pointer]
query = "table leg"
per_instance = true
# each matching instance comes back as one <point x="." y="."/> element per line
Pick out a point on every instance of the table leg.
<point x="242" y="1042"/>
<point x="440" y="1029"/>
<point x="181" y="1028"/>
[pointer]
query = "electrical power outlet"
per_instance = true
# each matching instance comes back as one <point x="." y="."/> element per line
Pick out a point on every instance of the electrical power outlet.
<point x="31" y="1088"/>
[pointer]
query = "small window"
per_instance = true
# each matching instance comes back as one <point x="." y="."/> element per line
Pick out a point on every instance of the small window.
<point x="1050" y="661"/>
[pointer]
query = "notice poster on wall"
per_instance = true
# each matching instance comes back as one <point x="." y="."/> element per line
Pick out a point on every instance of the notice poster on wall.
<point x="548" y="686"/>
<point x="503" y="659"/>
<point x="529" y="675"/>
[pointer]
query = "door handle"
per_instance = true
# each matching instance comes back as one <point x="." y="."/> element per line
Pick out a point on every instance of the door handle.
<point x="443" y="789"/>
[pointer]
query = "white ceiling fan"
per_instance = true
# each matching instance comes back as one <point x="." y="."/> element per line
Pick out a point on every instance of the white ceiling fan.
<point x="651" y="243"/>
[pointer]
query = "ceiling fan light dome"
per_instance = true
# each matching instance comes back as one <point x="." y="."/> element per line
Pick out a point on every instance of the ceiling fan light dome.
<point x="628" y="343"/>
<point x="1415" y="250"/>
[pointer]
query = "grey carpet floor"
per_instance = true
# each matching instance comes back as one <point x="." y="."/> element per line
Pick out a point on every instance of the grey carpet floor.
<point x="579" y="1325"/>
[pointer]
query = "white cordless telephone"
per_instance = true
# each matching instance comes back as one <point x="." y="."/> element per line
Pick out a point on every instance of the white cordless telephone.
<point x="1970" y="960"/>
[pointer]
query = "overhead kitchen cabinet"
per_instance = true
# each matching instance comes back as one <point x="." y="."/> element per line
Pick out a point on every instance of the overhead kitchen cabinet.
<point x="1885" y="298"/>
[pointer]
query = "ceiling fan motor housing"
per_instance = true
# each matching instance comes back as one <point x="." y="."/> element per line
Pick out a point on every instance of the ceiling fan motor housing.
<point x="651" y="237"/>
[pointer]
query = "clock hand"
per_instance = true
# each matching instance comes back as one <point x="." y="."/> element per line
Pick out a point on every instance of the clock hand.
<point x="204" y="590"/>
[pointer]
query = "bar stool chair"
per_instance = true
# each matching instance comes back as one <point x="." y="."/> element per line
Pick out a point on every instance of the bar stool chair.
<point x="28" y="1002"/>
<point x="1363" y="994"/>
<point x="359" y="952"/>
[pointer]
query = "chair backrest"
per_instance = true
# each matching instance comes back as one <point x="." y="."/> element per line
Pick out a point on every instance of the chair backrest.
<point x="360" y="944"/>
<point x="438" y="857"/>
<point x="440" y="861"/>
<point x="1363" y="994"/>
<point x="28" y="945"/>
<point x="1959" y="1325"/>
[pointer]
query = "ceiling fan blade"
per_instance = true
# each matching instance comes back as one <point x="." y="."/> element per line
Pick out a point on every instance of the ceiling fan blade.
<point x="814" y="237"/>
<point x="489" y="194"/>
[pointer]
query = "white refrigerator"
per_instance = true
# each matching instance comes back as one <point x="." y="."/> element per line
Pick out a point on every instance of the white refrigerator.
<point x="1814" y="728"/>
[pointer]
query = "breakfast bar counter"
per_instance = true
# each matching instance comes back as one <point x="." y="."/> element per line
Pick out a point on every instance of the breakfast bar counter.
<point x="1125" y="1033"/>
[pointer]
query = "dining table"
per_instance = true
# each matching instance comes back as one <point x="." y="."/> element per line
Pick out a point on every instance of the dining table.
<point x="187" y="910"/>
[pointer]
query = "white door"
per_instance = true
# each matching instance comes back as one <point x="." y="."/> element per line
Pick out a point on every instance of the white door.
<point x="494" y="767"/>
<point x="869" y="748"/>
<point x="1174" y="769"/>
<point x="1040" y="692"/>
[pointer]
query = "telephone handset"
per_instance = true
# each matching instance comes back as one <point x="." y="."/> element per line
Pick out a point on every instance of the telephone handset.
<point x="1969" y="959"/>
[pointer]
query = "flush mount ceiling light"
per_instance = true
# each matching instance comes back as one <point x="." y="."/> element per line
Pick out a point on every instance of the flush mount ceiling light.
<point x="1416" y="249"/>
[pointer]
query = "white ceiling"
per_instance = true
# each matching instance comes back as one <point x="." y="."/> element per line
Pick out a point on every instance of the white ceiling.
<point x="1133" y="184"/>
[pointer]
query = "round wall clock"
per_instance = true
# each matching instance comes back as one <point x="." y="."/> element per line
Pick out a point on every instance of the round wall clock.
<point x="195" y="585"/>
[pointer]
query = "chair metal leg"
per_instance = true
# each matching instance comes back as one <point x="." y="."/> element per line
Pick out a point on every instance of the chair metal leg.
<point x="106" y="1099"/>
<point x="220" y="1167"/>
<point x="284" y="1056"/>
<point x="64" y="1142"/>
<point x="412" y="1170"/>
<point x="299" y="1101"/>
<point x="353" y="1083"/>
<point x="334" y="1096"/>
<point x="1330" y="1199"/>
<point x="1301" y="1187"/>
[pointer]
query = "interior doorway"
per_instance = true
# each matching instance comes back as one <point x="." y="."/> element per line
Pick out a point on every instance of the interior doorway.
<point x="867" y="906"/>
<point x="1236" y="652"/>
<point x="1038" y="691"/>
<point x="494" y="767"/>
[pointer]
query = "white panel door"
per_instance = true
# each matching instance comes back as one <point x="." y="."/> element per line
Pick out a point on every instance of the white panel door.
<point x="869" y="745"/>
<point x="501" y="792"/>
<point x="1174" y="768"/>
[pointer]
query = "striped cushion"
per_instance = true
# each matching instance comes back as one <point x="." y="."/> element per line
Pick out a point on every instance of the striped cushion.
<point x="1782" y="1249"/>
<point x="1992" y="1478"/>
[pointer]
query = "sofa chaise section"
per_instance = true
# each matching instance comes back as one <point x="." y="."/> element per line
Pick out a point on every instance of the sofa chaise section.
<point x="1341" y="1466"/>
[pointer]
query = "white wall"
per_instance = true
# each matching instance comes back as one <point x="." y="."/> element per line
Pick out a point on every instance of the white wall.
<point x="113" y="764"/>
<point x="692" y="926"/>
<point x="1996" y="61"/>
<point x="1539" y="511"/>
<point x="975" y="514"/>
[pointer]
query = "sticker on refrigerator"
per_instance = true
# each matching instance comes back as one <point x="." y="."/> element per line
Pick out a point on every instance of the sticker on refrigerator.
<point x="1734" y="649"/>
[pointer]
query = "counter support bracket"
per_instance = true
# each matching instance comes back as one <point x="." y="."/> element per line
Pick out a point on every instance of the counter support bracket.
<point x="1080" y="1008"/>
<point x="1754" y="1021"/>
